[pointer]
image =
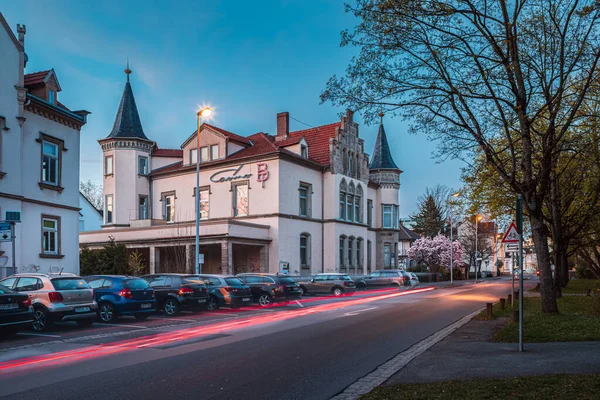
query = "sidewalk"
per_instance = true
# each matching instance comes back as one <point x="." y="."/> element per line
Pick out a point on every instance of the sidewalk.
<point x="467" y="354"/>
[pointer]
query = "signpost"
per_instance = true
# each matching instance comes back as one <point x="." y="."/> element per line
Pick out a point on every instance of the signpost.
<point x="511" y="245"/>
<point x="7" y="234"/>
<point x="520" y="232"/>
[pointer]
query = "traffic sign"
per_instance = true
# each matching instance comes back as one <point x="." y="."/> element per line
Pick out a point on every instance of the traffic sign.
<point x="5" y="231"/>
<point x="511" y="247"/>
<point x="511" y="235"/>
<point x="201" y="258"/>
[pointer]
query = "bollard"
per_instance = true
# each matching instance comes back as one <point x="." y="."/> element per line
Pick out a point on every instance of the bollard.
<point x="510" y="300"/>
<point x="515" y="316"/>
<point x="502" y="304"/>
<point x="490" y="310"/>
<point x="516" y="294"/>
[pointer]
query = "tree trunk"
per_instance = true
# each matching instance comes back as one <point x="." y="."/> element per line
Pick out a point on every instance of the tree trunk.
<point x="540" y="240"/>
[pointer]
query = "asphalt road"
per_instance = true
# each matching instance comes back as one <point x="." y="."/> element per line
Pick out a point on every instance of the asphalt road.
<point x="312" y="352"/>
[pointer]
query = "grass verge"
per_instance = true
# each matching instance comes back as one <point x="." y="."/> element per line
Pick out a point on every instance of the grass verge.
<point x="576" y="322"/>
<point x="579" y="285"/>
<point x="535" y="387"/>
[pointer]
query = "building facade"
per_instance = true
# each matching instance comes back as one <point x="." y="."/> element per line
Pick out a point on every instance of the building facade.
<point x="90" y="218"/>
<point x="299" y="202"/>
<point x="39" y="163"/>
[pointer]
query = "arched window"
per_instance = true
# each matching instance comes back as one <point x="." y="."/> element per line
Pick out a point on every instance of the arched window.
<point x="305" y="251"/>
<point x="342" y="254"/>
<point x="358" y="204"/>
<point x="343" y="199"/>
<point x="351" y="243"/>
<point x="359" y="251"/>
<point x="344" y="161"/>
<point x="350" y="202"/>
<point x="368" y="256"/>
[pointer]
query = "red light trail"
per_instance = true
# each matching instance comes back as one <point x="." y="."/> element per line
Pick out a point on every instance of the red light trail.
<point x="164" y="338"/>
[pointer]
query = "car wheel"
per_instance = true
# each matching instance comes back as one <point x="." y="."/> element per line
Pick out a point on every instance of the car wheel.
<point x="41" y="320"/>
<point x="337" y="292"/>
<point x="395" y="285"/>
<point x="303" y="291"/>
<point x="265" y="299"/>
<point x="171" y="307"/>
<point x="213" y="303"/>
<point x="85" y="323"/>
<point x="106" y="313"/>
<point x="142" y="317"/>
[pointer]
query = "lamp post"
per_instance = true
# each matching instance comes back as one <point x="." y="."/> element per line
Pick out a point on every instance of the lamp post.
<point x="205" y="112"/>
<point x="477" y="219"/>
<point x="452" y="242"/>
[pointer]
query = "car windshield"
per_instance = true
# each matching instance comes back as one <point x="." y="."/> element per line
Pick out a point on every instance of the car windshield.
<point x="5" y="290"/>
<point x="234" y="281"/>
<point x="286" y="280"/>
<point x="70" y="284"/>
<point x="136" y="283"/>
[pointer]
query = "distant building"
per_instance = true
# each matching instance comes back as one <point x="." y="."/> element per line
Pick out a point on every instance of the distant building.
<point x="39" y="163"/>
<point x="487" y="244"/>
<point x="90" y="218"/>
<point x="296" y="202"/>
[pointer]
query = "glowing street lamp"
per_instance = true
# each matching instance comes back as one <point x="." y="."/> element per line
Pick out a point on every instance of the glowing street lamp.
<point x="455" y="195"/>
<point x="203" y="113"/>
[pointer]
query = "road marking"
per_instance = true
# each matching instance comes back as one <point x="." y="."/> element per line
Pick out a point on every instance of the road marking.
<point x="175" y="319"/>
<point x="124" y="325"/>
<point x="351" y="313"/>
<point x="300" y="304"/>
<point x="37" y="334"/>
<point x="385" y="371"/>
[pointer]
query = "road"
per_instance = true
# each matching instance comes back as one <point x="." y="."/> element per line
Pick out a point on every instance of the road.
<point x="310" y="350"/>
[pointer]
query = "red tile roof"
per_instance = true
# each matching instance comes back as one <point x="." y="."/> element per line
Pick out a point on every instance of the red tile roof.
<point x="168" y="168"/>
<point x="35" y="77"/>
<point x="167" y="152"/>
<point x="289" y="141"/>
<point x="230" y="135"/>
<point x="318" y="141"/>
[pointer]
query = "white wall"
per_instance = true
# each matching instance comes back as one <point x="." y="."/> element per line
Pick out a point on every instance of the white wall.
<point x="90" y="218"/>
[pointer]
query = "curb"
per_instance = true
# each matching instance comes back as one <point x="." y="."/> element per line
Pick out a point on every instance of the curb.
<point x="385" y="371"/>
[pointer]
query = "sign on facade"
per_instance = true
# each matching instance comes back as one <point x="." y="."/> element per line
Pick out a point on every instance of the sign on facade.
<point x="284" y="267"/>
<point x="201" y="258"/>
<point x="5" y="231"/>
<point x="511" y="235"/>
<point x="263" y="172"/>
<point x="228" y="175"/>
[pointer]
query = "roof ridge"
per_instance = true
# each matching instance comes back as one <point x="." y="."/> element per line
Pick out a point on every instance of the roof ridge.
<point x="39" y="72"/>
<point x="316" y="127"/>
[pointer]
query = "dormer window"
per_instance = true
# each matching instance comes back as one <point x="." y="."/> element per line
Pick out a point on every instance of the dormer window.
<point x="51" y="97"/>
<point x="304" y="151"/>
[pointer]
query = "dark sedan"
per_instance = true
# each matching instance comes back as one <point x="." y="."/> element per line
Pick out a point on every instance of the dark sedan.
<point x="177" y="291"/>
<point x="226" y="290"/>
<point x="119" y="295"/>
<point x="16" y="312"/>
<point x="269" y="288"/>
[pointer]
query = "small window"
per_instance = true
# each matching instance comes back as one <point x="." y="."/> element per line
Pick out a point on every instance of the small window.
<point x="142" y="165"/>
<point x="305" y="251"/>
<point x="50" y="164"/>
<point x="168" y="200"/>
<point x="108" y="209"/>
<point x="203" y="154"/>
<point x="304" y="151"/>
<point x="342" y="205"/>
<point x="143" y="208"/>
<point x="395" y="219"/>
<point x="204" y="204"/>
<point x="108" y="165"/>
<point x="368" y="256"/>
<point x="51" y="97"/>
<point x="240" y="199"/>
<point x="387" y="255"/>
<point x="193" y="156"/>
<point x="370" y="212"/>
<point x="305" y="195"/>
<point x="342" y="251"/>
<point x="350" y="207"/>
<point x="387" y="216"/>
<point x="214" y="152"/>
<point x="49" y="236"/>
<point x="359" y="243"/>
<point x="350" y="255"/>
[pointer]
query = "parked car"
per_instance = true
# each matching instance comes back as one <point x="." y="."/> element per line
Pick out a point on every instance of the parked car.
<point x="330" y="283"/>
<point x="16" y="312"/>
<point x="56" y="298"/>
<point x="226" y="290"/>
<point x="270" y="288"/>
<point x="385" y="278"/>
<point x="119" y="295"/>
<point x="174" y="292"/>
<point x="414" y="279"/>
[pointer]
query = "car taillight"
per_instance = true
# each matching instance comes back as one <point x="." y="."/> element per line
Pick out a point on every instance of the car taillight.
<point x="126" y="293"/>
<point x="185" y="291"/>
<point x="55" y="297"/>
<point x="26" y="303"/>
<point x="229" y="289"/>
<point x="347" y="284"/>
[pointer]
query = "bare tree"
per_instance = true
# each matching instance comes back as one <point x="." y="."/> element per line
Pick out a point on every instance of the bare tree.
<point x="502" y="77"/>
<point x="93" y="192"/>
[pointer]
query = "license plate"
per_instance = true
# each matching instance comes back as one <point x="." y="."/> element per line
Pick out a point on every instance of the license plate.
<point x="246" y="299"/>
<point x="10" y="306"/>
<point x="201" y="300"/>
<point x="146" y="306"/>
<point x="82" y="309"/>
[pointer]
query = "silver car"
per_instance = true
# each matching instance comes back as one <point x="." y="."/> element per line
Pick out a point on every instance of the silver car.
<point x="332" y="283"/>
<point x="56" y="298"/>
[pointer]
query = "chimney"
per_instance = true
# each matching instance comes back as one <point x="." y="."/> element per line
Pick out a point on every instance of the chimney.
<point x="21" y="31"/>
<point x="283" y="125"/>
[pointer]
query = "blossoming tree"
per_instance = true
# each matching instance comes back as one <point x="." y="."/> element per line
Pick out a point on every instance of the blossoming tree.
<point x="435" y="253"/>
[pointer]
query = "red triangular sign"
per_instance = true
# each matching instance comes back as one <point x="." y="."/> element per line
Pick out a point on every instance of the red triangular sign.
<point x="511" y="235"/>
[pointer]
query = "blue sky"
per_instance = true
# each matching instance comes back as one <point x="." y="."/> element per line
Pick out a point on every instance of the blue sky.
<point x="248" y="60"/>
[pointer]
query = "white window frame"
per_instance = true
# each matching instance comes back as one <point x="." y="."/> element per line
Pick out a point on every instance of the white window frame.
<point x="109" y="161"/>
<point x="54" y="158"/>
<point x="234" y="190"/>
<point x="168" y="208"/>
<point x="212" y="155"/>
<point x="387" y="209"/>
<point x="303" y="151"/>
<point x="193" y="155"/>
<point x="108" y="204"/>
<point x="206" y="202"/>
<point x="46" y="248"/>
<point x="370" y="212"/>
<point x="307" y="189"/>
<point x="143" y="172"/>
<point x="51" y="96"/>
<point x="306" y="248"/>
<point x="342" y="251"/>
<point x="143" y="214"/>
<point x="204" y="157"/>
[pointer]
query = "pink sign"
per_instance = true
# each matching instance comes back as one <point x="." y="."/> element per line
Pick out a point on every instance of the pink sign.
<point x="263" y="172"/>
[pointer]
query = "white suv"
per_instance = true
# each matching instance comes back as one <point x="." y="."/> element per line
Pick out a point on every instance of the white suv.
<point x="56" y="298"/>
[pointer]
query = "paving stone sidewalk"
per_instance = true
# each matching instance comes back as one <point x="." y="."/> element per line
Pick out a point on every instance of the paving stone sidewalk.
<point x="468" y="354"/>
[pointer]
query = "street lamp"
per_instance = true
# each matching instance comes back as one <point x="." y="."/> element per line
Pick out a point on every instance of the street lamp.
<point x="452" y="242"/>
<point x="477" y="219"/>
<point x="205" y="112"/>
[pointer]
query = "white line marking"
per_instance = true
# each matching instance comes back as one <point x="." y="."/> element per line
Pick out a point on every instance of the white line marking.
<point x="300" y="304"/>
<point x="37" y="334"/>
<point x="175" y="319"/>
<point x="359" y="311"/>
<point x="124" y="325"/>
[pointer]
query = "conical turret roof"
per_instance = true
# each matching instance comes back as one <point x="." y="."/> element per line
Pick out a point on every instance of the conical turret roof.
<point x="127" y="122"/>
<point x="382" y="157"/>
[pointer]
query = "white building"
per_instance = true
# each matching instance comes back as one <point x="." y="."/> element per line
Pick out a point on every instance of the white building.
<point x="39" y="163"/>
<point x="299" y="202"/>
<point x="90" y="218"/>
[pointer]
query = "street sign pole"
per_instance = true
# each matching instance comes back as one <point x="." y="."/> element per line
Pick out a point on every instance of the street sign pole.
<point x="14" y="253"/>
<point x="520" y="229"/>
<point x="512" y="273"/>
